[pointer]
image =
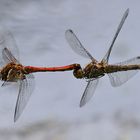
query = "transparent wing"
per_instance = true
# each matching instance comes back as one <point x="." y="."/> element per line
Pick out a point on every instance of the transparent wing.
<point x="119" y="78"/>
<point x="25" y="91"/>
<point x="7" y="41"/>
<point x="89" y="91"/>
<point x="76" y="45"/>
<point x="106" y="57"/>
<point x="8" y="56"/>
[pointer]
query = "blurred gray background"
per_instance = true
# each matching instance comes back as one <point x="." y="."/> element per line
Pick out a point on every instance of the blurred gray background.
<point x="53" y="111"/>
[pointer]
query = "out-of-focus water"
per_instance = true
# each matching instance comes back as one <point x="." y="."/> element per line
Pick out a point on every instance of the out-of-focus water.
<point x="39" y="28"/>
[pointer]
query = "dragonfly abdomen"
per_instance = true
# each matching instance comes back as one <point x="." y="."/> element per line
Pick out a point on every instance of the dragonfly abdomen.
<point x="32" y="69"/>
<point x="116" y="68"/>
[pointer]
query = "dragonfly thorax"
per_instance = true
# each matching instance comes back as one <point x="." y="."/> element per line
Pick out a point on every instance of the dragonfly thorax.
<point x="93" y="70"/>
<point x="12" y="72"/>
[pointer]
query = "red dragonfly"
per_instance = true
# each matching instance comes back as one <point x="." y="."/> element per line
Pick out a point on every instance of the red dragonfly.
<point x="13" y="71"/>
<point x="118" y="73"/>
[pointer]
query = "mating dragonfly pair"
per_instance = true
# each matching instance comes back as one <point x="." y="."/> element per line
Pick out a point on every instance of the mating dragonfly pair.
<point x="13" y="71"/>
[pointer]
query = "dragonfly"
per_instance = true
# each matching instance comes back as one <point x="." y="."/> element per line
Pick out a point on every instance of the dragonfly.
<point x="118" y="73"/>
<point x="13" y="71"/>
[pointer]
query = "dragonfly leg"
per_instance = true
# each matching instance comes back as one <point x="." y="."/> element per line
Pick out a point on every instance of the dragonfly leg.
<point x="88" y="80"/>
<point x="3" y="84"/>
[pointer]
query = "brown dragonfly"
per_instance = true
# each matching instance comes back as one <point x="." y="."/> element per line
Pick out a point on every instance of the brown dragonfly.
<point x="13" y="71"/>
<point x="118" y="73"/>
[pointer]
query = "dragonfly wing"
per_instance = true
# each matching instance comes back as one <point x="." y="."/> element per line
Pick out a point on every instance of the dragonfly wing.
<point x="76" y="45"/>
<point x="25" y="91"/>
<point x="119" y="78"/>
<point x="89" y="91"/>
<point x="8" y="56"/>
<point x="106" y="57"/>
<point x="7" y="41"/>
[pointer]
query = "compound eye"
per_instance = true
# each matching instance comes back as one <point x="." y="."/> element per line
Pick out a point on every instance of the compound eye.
<point x="78" y="73"/>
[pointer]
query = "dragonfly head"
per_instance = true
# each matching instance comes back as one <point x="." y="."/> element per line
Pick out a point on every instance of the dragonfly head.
<point x="78" y="72"/>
